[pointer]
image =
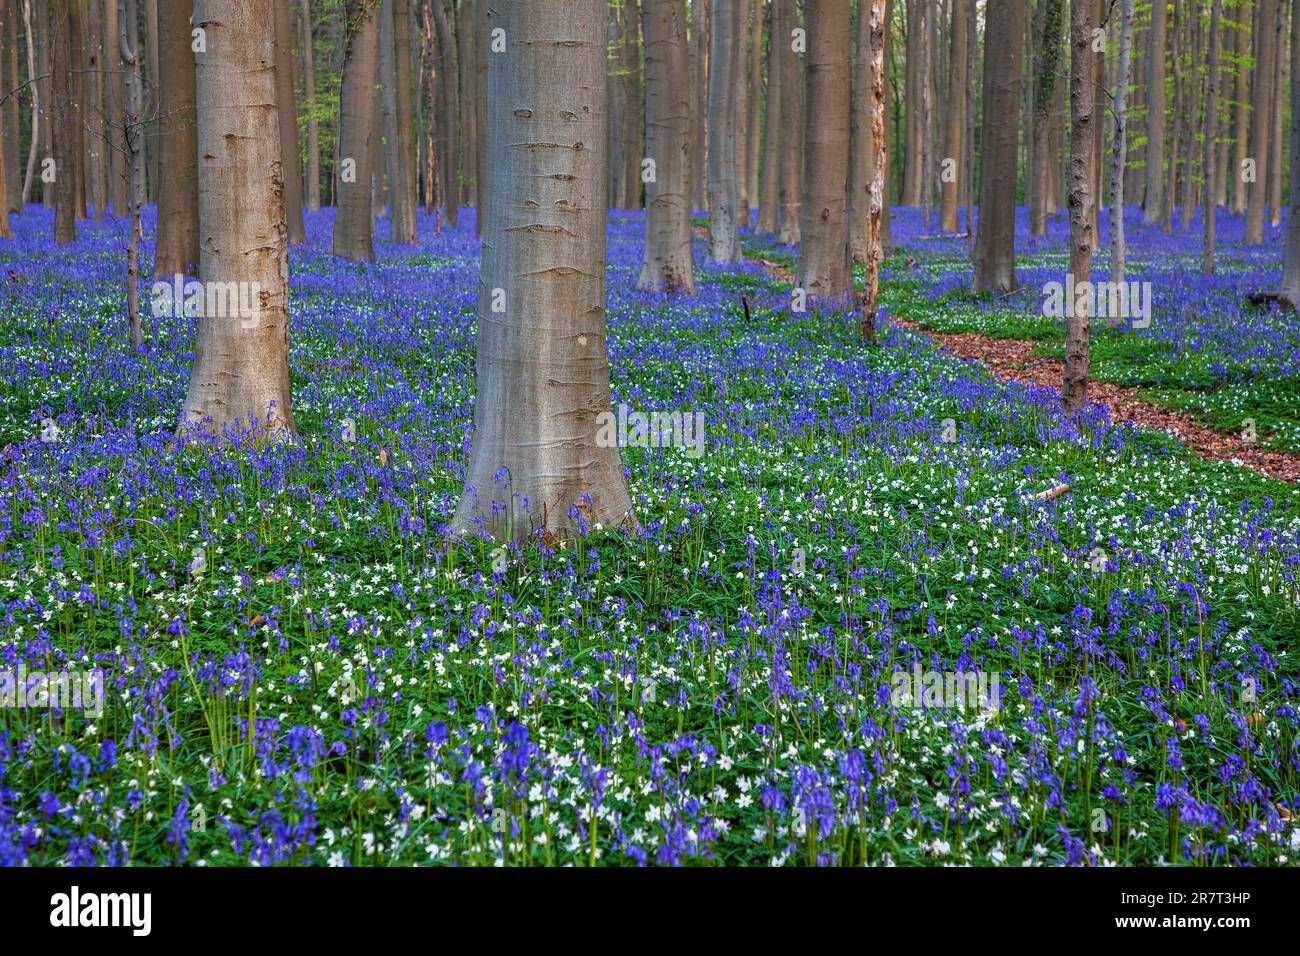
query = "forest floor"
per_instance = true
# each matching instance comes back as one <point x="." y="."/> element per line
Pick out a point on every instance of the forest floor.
<point x="892" y="609"/>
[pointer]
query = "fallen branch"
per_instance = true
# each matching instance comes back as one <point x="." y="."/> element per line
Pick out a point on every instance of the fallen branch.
<point x="1050" y="494"/>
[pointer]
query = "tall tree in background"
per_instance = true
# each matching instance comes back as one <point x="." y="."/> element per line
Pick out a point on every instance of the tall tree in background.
<point x="117" y="158"/>
<point x="4" y="158"/>
<point x="667" y="259"/>
<point x="1275" y="113"/>
<point x="178" y="171"/>
<point x="825" y="265"/>
<point x="724" y="225"/>
<point x="954" y="119"/>
<point x="1052" y="16"/>
<point x="151" y="105"/>
<point x="1154" y="202"/>
<point x="134" y="123"/>
<point x="876" y="12"/>
<point x="773" y="126"/>
<point x="1211" y="112"/>
<point x="353" y="223"/>
<point x="1241" y="107"/>
<point x="64" y="120"/>
<point x="1261" y="120"/>
<point x="241" y="364"/>
<point x="699" y="52"/>
<point x="863" y="149"/>
<point x="287" y="111"/>
<point x="1083" y="114"/>
<point x="995" y="241"/>
<point x="446" y="64"/>
<point x="792" y="120"/>
<point x="741" y="73"/>
<point x="402" y="150"/>
<point x="540" y="461"/>
<point x="755" y="103"/>
<point x="1119" y="149"/>
<point x="10" y="115"/>
<point x="313" y="125"/>
<point x="1290" y="291"/>
<point x="93" y="85"/>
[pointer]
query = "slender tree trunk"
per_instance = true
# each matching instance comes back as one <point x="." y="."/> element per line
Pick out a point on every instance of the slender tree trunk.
<point x="446" y="59"/>
<point x="313" y="124"/>
<point x="863" y="149"/>
<point x="1189" y="192"/>
<point x="995" y="242"/>
<point x="724" y="226"/>
<point x="1275" y="136"/>
<point x="755" y="113"/>
<point x="700" y="52"/>
<point x="912" y="105"/>
<point x="353" y="224"/>
<point x="77" y="63"/>
<point x="287" y="112"/>
<point x="10" y="116"/>
<point x="824" y="259"/>
<point x="64" y="120"/>
<point x="1119" y="149"/>
<point x="482" y="31"/>
<point x="667" y="261"/>
<point x="1175" y="124"/>
<point x="877" y="29"/>
<point x="1211" y="111"/>
<point x="1044" y="100"/>
<point x="792" y="119"/>
<point x="117" y="159"/>
<point x="133" y="136"/>
<point x="1290" y="291"/>
<point x="955" y="120"/>
<point x="541" y="460"/>
<point x="151" y="96"/>
<point x="467" y="73"/>
<point x="240" y="377"/>
<point x="1241" y="109"/>
<point x="773" y="127"/>
<point x="1261" y="121"/>
<point x="4" y="158"/>
<point x="405" y="195"/>
<point x="434" y="130"/>
<point x="178" y="170"/>
<point x="38" y="103"/>
<point x="740" y="51"/>
<point x="1153" y="207"/>
<point x="633" y="120"/>
<point x="1074" y="390"/>
<point x="93" y="110"/>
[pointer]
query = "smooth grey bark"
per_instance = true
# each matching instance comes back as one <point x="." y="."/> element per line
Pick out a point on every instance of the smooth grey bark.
<point x="1119" y="146"/>
<point x="1275" y="134"/>
<point x="1041" y="191"/>
<point x="401" y="149"/>
<point x="995" y="240"/>
<point x="755" y="97"/>
<point x="313" y="124"/>
<point x="1241" y="108"/>
<point x="955" y="117"/>
<point x="151" y="95"/>
<point x="1261" y="121"/>
<point x="178" y="189"/>
<point x="240" y="377"/>
<point x="353" y="223"/>
<point x="63" y="110"/>
<point x="700" y="51"/>
<point x="1154" y="202"/>
<point x="740" y="96"/>
<point x="117" y="160"/>
<point x="772" y="131"/>
<point x="1211" y="125"/>
<point x="4" y="159"/>
<point x="1290" y="291"/>
<point x="667" y="259"/>
<point x="825" y="262"/>
<point x="792" y="120"/>
<point x="451" y="150"/>
<point x="287" y="111"/>
<point x="37" y="100"/>
<point x="538" y="464"/>
<point x="1083" y="113"/>
<point x="133" y="138"/>
<point x="724" y="209"/>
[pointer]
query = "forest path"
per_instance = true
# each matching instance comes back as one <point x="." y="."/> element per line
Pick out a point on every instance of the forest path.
<point x="1013" y="360"/>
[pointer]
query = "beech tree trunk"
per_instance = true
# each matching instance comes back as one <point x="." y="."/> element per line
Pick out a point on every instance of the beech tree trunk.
<point x="1074" y="390"/>
<point x="4" y="157"/>
<point x="1275" y="132"/>
<point x="134" y="124"/>
<point x="863" y="149"/>
<point x="287" y="111"/>
<point x="93" y="110"/>
<point x="773" y="129"/>
<point x="538" y="462"/>
<point x="1290" y="291"/>
<point x="117" y="162"/>
<point x="313" y="124"/>
<point x="754" y="99"/>
<point x="667" y="262"/>
<point x="1119" y="149"/>
<point x="995" y="240"/>
<point x="1154" y="202"/>
<point x="877" y="29"/>
<point x="700" y="51"/>
<point x="740" y="67"/>
<point x="1241" y="108"/>
<point x="792" y="120"/>
<point x="1044" y="100"/>
<point x="64" y="121"/>
<point x="446" y="61"/>
<point x="151" y="107"/>
<point x="353" y="223"/>
<point x="240" y="377"/>
<point x="10" y="116"/>
<point x="1261" y="121"/>
<point x="178" y="170"/>
<point x="1211" y="108"/>
<point x="724" y="209"/>
<point x="825" y="266"/>
<point x="954" y="146"/>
